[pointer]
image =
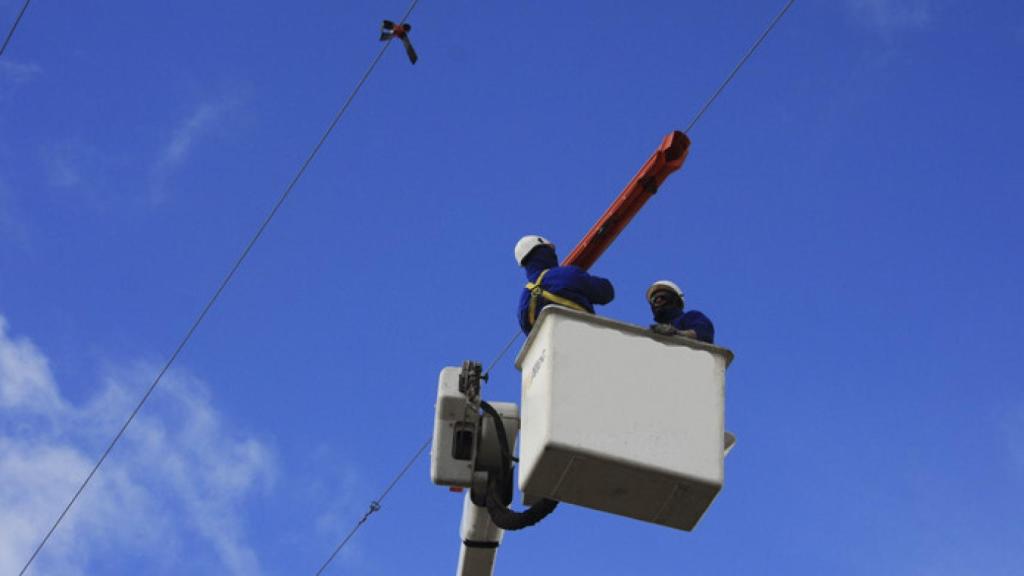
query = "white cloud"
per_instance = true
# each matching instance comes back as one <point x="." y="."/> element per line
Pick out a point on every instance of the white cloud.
<point x="12" y="226"/>
<point x="180" y="144"/>
<point x="1013" y="427"/>
<point x="64" y="162"/>
<point x="14" y="75"/>
<point x="889" y="16"/>
<point x="25" y="378"/>
<point x="182" y="140"/>
<point x="172" y="493"/>
<point x="17" y="72"/>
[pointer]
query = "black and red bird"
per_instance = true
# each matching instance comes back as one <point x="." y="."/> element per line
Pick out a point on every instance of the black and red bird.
<point x="389" y="30"/>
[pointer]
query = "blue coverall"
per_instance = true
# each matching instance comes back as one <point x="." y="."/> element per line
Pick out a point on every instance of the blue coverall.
<point x="570" y="282"/>
<point x="690" y="320"/>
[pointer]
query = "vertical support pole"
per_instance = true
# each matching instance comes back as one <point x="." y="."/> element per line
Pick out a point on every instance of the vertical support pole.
<point x="480" y="540"/>
<point x="480" y="535"/>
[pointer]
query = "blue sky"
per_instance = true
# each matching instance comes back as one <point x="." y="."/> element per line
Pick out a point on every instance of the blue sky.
<point x="848" y="217"/>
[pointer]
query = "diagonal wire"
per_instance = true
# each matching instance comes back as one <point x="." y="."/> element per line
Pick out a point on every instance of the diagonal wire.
<point x="697" y="117"/>
<point x="502" y="353"/>
<point x="374" y="506"/>
<point x="10" y="33"/>
<point x="238" y="263"/>
<point x="740" y="65"/>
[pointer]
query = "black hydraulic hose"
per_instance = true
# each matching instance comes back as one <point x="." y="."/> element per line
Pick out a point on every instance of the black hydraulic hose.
<point x="508" y="519"/>
<point x="499" y="424"/>
<point x="497" y="506"/>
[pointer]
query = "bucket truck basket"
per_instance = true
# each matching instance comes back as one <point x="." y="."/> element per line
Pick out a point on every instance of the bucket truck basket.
<point x="620" y="419"/>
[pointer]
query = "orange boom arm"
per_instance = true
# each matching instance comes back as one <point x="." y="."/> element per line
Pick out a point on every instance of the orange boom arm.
<point x="667" y="159"/>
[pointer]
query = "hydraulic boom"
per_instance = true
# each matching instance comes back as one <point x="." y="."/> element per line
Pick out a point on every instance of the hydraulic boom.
<point x="668" y="158"/>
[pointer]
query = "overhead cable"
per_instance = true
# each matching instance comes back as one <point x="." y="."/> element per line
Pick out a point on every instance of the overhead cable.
<point x="375" y="506"/>
<point x="502" y="353"/>
<point x="697" y="117"/>
<point x="10" y="33"/>
<point x="238" y="263"/>
<point x="739" y="65"/>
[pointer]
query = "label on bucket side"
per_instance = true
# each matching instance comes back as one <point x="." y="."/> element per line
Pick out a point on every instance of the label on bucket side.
<point x="528" y="381"/>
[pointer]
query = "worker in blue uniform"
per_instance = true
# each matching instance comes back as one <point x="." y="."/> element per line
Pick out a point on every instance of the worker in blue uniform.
<point x="549" y="283"/>
<point x="667" y="302"/>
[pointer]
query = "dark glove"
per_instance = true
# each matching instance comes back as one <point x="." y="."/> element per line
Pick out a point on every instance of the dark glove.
<point x="664" y="329"/>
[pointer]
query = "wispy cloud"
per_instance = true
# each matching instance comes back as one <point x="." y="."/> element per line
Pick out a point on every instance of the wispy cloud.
<point x="12" y="227"/>
<point x="179" y="479"/>
<point x="67" y="160"/>
<point x="182" y="140"/>
<point x="1013" y="427"/>
<point x="890" y="16"/>
<point x="25" y="379"/>
<point x="15" y="72"/>
<point x="186" y="134"/>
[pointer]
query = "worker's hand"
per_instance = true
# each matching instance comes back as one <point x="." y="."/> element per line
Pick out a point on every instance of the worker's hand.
<point x="664" y="329"/>
<point x="687" y="333"/>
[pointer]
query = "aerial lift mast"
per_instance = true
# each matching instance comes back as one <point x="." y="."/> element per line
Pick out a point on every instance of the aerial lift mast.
<point x="668" y="158"/>
<point x="614" y="417"/>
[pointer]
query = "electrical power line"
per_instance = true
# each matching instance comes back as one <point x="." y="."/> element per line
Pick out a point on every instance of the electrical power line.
<point x="238" y="263"/>
<point x="697" y="117"/>
<point x="739" y="65"/>
<point x="502" y="353"/>
<point x="10" y="33"/>
<point x="374" y="506"/>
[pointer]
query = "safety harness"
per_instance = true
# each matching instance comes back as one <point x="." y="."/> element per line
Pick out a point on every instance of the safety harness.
<point x="537" y="292"/>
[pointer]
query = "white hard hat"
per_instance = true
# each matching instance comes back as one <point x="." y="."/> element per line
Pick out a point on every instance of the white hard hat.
<point x="526" y="244"/>
<point x="665" y="285"/>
